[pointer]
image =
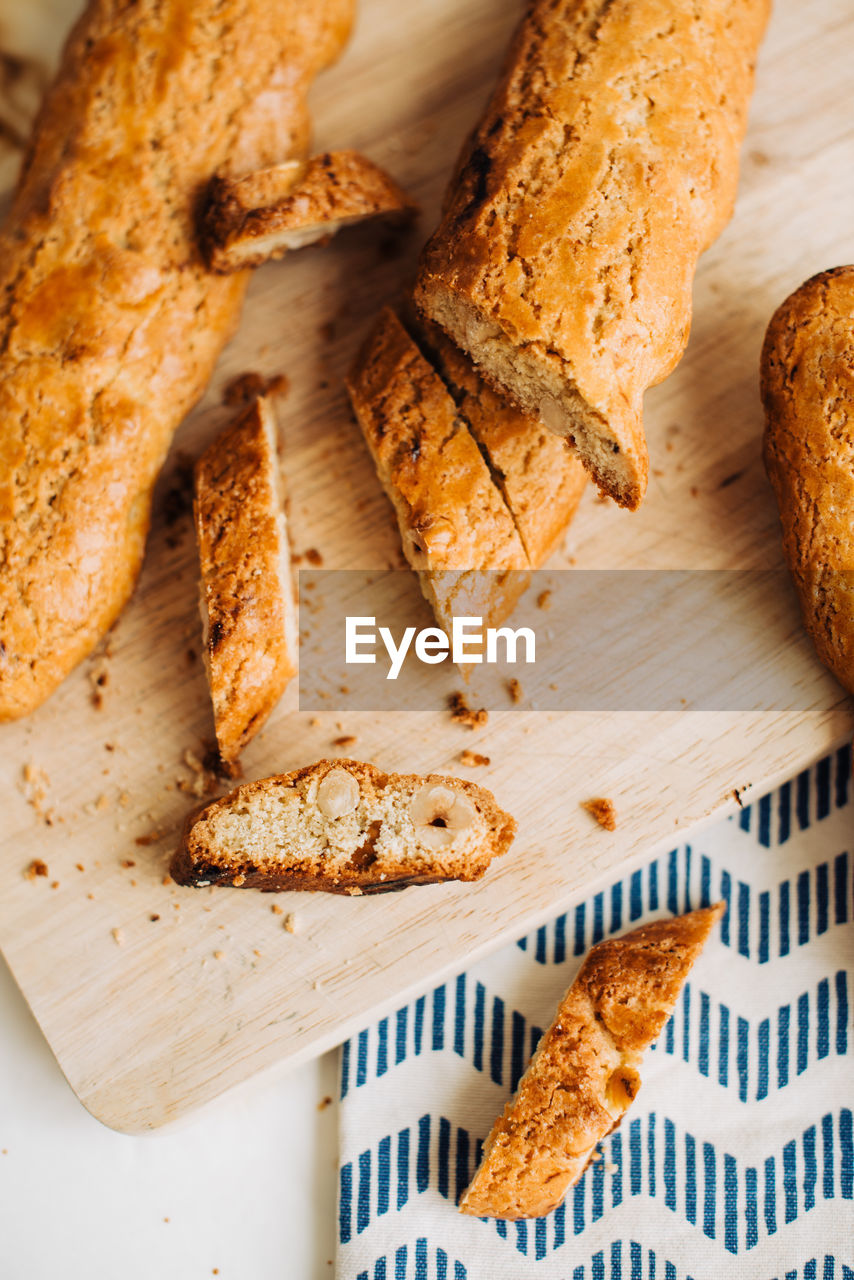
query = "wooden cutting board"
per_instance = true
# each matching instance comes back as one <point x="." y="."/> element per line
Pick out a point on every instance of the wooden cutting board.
<point x="156" y="999"/>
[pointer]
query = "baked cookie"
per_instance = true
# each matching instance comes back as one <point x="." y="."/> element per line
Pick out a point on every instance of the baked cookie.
<point x="584" y="1074"/>
<point x="807" y="383"/>
<point x="344" y="827"/>
<point x="605" y="163"/>
<point x="261" y="216"/>
<point x="246" y="596"/>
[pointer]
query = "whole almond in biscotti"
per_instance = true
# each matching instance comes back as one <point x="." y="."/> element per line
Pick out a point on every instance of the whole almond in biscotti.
<point x="604" y="164"/>
<point x="111" y="320"/>
<point x="344" y="827"/>
<point x="585" y="1072"/>
<point x="807" y="382"/>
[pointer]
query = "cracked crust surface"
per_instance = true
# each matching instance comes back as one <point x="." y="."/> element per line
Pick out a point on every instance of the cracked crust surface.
<point x="605" y="163"/>
<point x="261" y="216"/>
<point x="807" y="384"/>
<point x="343" y="826"/>
<point x="246" y="591"/>
<point x="453" y="520"/>
<point x="111" y="322"/>
<point x="584" y="1074"/>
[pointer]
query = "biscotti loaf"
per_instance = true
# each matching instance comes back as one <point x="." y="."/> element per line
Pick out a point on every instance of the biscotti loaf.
<point x="263" y="215"/>
<point x="247" y="601"/>
<point x="807" y="380"/>
<point x="606" y="161"/>
<point x="584" y="1074"/>
<point x="453" y="519"/>
<point x="344" y="827"/>
<point x="111" y="321"/>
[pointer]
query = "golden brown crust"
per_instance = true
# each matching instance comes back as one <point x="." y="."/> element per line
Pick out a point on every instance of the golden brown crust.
<point x="111" y="322"/>
<point x="537" y="472"/>
<point x="604" y="164"/>
<point x="370" y="868"/>
<point x="807" y="383"/>
<point x="247" y="596"/>
<point x="261" y="216"/>
<point x="584" y="1074"/>
<point x="452" y="518"/>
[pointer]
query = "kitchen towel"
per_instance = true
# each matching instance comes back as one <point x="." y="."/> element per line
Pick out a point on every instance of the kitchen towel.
<point x="737" y="1157"/>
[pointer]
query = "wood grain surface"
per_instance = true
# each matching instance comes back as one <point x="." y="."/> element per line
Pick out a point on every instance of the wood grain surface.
<point x="156" y="999"/>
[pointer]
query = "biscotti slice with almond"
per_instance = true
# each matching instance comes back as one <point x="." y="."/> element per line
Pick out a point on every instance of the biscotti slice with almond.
<point x="539" y="474"/>
<point x="247" y="600"/>
<point x="604" y="164"/>
<point x="344" y="827"/>
<point x="454" y="521"/>
<point x="584" y="1074"/>
<point x="262" y="215"/>
<point x="807" y="383"/>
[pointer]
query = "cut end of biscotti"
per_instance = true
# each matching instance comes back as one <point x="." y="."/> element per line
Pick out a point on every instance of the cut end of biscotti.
<point x="344" y="827"/>
<point x="585" y="1073"/>
<point x="246" y="593"/>
<point x="540" y="382"/>
<point x="261" y="216"/>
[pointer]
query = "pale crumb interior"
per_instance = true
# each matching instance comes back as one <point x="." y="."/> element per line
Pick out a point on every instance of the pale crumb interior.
<point x="283" y="825"/>
<point x="542" y="386"/>
<point x="286" y="583"/>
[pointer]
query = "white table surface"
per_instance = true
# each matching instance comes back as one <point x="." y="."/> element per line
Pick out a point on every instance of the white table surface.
<point x="247" y="1185"/>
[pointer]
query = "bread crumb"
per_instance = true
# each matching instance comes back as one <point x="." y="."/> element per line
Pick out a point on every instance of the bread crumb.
<point x="79" y="866"/>
<point x="118" y="937"/>
<point x="603" y="811"/>
<point x="544" y="600"/>
<point x="289" y="924"/>
<point x="128" y="862"/>
<point x="324" y="1103"/>
<point x="54" y="884"/>
<point x="461" y="713"/>
<point x="247" y="386"/>
<point x="167" y="879"/>
<point x="219" y="955"/>
<point x="346" y="740"/>
<point x="473" y="758"/>
<point x="277" y="910"/>
<point x="154" y="917"/>
<point x="610" y="1167"/>
<point x="514" y="689"/>
<point x="36" y="868"/>
<point x="314" y="557"/>
<point x="152" y="837"/>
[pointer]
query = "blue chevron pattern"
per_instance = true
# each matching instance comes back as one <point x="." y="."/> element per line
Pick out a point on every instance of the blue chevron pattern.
<point x="751" y="1048"/>
<point x="652" y="1159"/>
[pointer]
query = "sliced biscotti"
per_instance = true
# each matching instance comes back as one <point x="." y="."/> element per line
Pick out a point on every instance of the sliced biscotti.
<point x="538" y="473"/>
<point x="252" y="219"/>
<point x="807" y="382"/>
<point x="454" y="521"/>
<point x="344" y="827"/>
<point x="247" y="601"/>
<point x="584" y="1074"/>
<point x="604" y="164"/>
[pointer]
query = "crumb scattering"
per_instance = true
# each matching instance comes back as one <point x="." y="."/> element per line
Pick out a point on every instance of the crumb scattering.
<point x="289" y="924"/>
<point x="277" y="910"/>
<point x="544" y="600"/>
<point x="36" y="868"/>
<point x="514" y="689"/>
<point x="324" y="1103"/>
<point x="473" y="758"/>
<point x="462" y="713"/>
<point x="118" y="937"/>
<point x="346" y="740"/>
<point x="602" y="809"/>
